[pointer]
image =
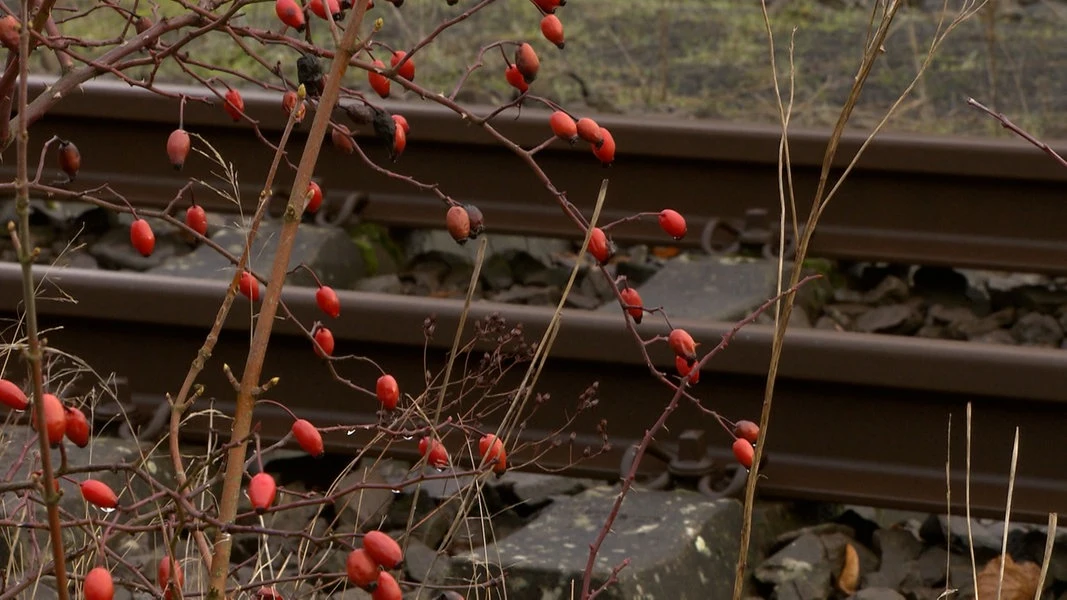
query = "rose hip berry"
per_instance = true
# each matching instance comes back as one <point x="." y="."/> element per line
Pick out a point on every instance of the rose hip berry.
<point x="328" y="302"/>
<point x="12" y="395"/>
<point x="605" y="152"/>
<point x="248" y="286"/>
<point x="319" y="8"/>
<point x="308" y="437"/>
<point x="388" y="391"/>
<point x="314" y="198"/>
<point x="70" y="159"/>
<point x="324" y="340"/>
<point x="289" y="12"/>
<point x="290" y="100"/>
<point x="600" y="247"/>
<point x="747" y="430"/>
<point x="672" y="223"/>
<point x="683" y="345"/>
<point x="342" y="139"/>
<point x="552" y="29"/>
<point x="459" y="223"/>
<point x="77" y="427"/>
<point x="400" y="142"/>
<point x="744" y="452"/>
<point x="142" y="238"/>
<point x="261" y="491"/>
<point x="589" y="131"/>
<point x="402" y="123"/>
<point x="515" y="79"/>
<point x="684" y="368"/>
<point x="99" y="494"/>
<point x="98" y="585"/>
<point x="388" y="588"/>
<point x="178" y="145"/>
<point x="434" y="451"/>
<point x="633" y="299"/>
<point x="378" y="82"/>
<point x="383" y="549"/>
<point x="408" y="70"/>
<point x="489" y="448"/>
<point x="563" y="126"/>
<point x="196" y="219"/>
<point x="361" y="568"/>
<point x="235" y="105"/>
<point x="55" y="418"/>
<point x="526" y="62"/>
<point x="474" y="214"/>
<point x="169" y="578"/>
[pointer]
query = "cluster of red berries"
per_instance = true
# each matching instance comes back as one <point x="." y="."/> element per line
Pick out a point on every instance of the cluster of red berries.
<point x="566" y="128"/>
<point x="464" y="222"/>
<point x="368" y="567"/>
<point x="59" y="420"/>
<point x="490" y="449"/>
<point x="98" y="584"/>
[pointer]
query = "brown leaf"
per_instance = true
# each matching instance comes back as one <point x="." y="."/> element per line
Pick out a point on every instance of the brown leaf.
<point x="1020" y="580"/>
<point x="849" y="578"/>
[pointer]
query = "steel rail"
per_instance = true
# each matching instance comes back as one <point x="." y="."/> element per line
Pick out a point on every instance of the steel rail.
<point x="858" y="418"/>
<point x="963" y="202"/>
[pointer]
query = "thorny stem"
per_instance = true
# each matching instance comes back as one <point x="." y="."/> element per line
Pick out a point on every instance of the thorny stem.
<point x="24" y="245"/>
<point x="264" y="324"/>
<point x="1019" y="131"/>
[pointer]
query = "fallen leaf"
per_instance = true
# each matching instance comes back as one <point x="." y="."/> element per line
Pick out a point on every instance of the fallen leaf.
<point x="665" y="251"/>
<point x="849" y="578"/>
<point x="1020" y="579"/>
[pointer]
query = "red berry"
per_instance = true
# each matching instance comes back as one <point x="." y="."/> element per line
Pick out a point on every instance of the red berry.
<point x="290" y="101"/>
<point x="308" y="437"/>
<point x="474" y="214"/>
<point x="55" y="418"/>
<point x="490" y="447"/>
<point x="77" y="427"/>
<point x="319" y="8"/>
<point x="324" y="341"/>
<point x="744" y="452"/>
<point x="526" y="62"/>
<point x="400" y="141"/>
<point x="747" y="430"/>
<point x="600" y="246"/>
<point x="70" y="160"/>
<point x="98" y="493"/>
<point x="315" y="198"/>
<point x="388" y="588"/>
<point x="328" y="301"/>
<point x="388" y="391"/>
<point x="9" y="32"/>
<point x="98" y="585"/>
<point x="268" y="593"/>
<point x="196" y="219"/>
<point x="672" y="223"/>
<point x="382" y="549"/>
<point x="434" y="451"/>
<point x="290" y="13"/>
<point x="342" y="139"/>
<point x="171" y="586"/>
<point x="549" y="6"/>
<point x="633" y="299"/>
<point x="178" y="145"/>
<point x="684" y="368"/>
<point x="563" y="126"/>
<point x="589" y="131"/>
<point x="12" y="395"/>
<point x="249" y="286"/>
<point x="361" y="568"/>
<point x="605" y="152"/>
<point x="459" y="223"/>
<point x="235" y="105"/>
<point x="516" y="79"/>
<point x="378" y="82"/>
<point x="683" y="345"/>
<point x="408" y="70"/>
<point x="552" y="29"/>
<point x="142" y="238"/>
<point x="261" y="491"/>
<point x="402" y="123"/>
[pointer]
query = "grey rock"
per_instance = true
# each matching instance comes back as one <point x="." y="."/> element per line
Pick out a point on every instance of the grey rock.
<point x="939" y="314"/>
<point x="899" y="550"/>
<point x="710" y="288"/>
<point x="877" y="593"/>
<point x="329" y="252"/>
<point x="891" y="318"/>
<point x="933" y="332"/>
<point x="381" y="284"/>
<point x="362" y="508"/>
<point x="496" y="273"/>
<point x="578" y="298"/>
<point x="76" y="260"/>
<point x="352" y="593"/>
<point x="537" y="488"/>
<point x="639" y="265"/>
<point x="828" y="324"/>
<point x="526" y="294"/>
<point x="800" y="570"/>
<point x="991" y="322"/>
<point x="933" y="565"/>
<point x="431" y="518"/>
<point x="997" y="336"/>
<point x="1036" y="329"/>
<point x="114" y="251"/>
<point x="695" y="547"/>
<point x="424" y="565"/>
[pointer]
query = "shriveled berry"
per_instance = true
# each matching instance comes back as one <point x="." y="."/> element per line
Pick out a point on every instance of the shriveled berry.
<point x="744" y="452"/>
<point x="290" y="100"/>
<point x="55" y="418"/>
<point x="383" y="549"/>
<point x="98" y="585"/>
<point x="388" y="391"/>
<point x="459" y="223"/>
<point x="563" y="126"/>
<point x="527" y="62"/>
<point x="552" y="29"/>
<point x="169" y="578"/>
<point x="600" y="247"/>
<point x="290" y="13"/>
<point x="434" y="451"/>
<point x="402" y="123"/>
<point x="605" y="152"/>
<point x="323" y="341"/>
<point x="12" y="395"/>
<point x="328" y="302"/>
<point x="235" y="105"/>
<point x="99" y="493"/>
<point x="633" y="299"/>
<point x="77" y="427"/>
<point x="388" y="588"/>
<point x="407" y="71"/>
<point x="249" y="287"/>
<point x="261" y="491"/>
<point x="684" y="368"/>
<point x="515" y="79"/>
<point x="142" y="238"/>
<point x="491" y="447"/>
<point x="474" y="215"/>
<point x="314" y="198"/>
<point x="178" y="145"/>
<point x="672" y="223"/>
<point x="683" y="345"/>
<point x="342" y="139"/>
<point x="361" y="568"/>
<point x="589" y="131"/>
<point x="196" y="219"/>
<point x="308" y="437"/>
<point x="378" y="82"/>
<point x="70" y="159"/>
<point x="747" y="430"/>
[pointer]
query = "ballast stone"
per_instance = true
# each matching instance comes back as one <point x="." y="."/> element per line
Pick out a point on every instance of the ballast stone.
<point x="681" y="546"/>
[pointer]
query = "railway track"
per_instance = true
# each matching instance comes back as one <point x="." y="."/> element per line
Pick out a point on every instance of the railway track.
<point x="858" y="418"/>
